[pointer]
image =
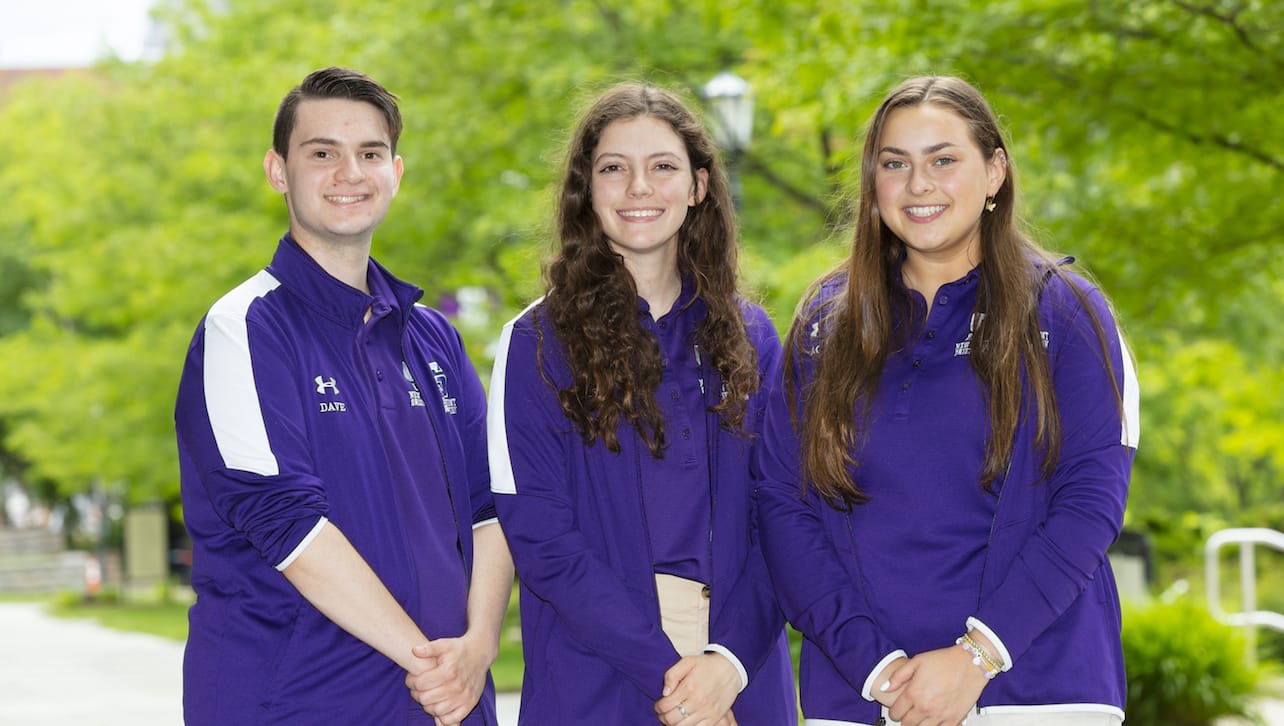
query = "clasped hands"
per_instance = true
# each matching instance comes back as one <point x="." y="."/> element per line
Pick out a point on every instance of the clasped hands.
<point x="453" y="674"/>
<point x="699" y="691"/>
<point x="934" y="688"/>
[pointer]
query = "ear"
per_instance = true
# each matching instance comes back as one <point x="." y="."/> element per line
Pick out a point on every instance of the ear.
<point x="700" y="188"/>
<point x="398" y="168"/>
<point x="997" y="171"/>
<point x="274" y="168"/>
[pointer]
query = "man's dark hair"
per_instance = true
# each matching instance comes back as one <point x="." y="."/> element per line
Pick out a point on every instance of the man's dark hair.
<point x="334" y="82"/>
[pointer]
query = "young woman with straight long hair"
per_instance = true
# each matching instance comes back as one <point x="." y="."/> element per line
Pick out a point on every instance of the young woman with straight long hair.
<point x="959" y="416"/>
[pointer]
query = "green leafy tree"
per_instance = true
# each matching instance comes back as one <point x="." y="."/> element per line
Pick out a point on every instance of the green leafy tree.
<point x="1146" y="134"/>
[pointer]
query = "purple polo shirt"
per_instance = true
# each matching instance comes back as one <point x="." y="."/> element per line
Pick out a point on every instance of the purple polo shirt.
<point x="410" y="443"/>
<point x="927" y="520"/>
<point x="675" y="488"/>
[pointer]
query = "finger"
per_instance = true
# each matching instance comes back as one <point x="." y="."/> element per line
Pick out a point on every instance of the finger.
<point x="431" y="649"/>
<point x="678" y="695"/>
<point x="673" y="677"/>
<point x="900" y="677"/>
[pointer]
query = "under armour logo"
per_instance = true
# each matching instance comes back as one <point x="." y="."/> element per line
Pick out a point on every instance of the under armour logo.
<point x="323" y="385"/>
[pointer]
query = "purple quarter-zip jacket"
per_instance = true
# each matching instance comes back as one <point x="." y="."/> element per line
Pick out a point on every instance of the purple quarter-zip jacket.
<point x="292" y="412"/>
<point x="931" y="552"/>
<point x="576" y="518"/>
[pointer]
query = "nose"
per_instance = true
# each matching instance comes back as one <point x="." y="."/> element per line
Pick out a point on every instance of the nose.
<point x="639" y="186"/>
<point x="350" y="170"/>
<point x="919" y="183"/>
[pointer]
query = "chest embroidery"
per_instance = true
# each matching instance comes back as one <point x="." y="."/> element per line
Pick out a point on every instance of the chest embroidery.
<point x="448" y="402"/>
<point x="964" y="347"/>
<point x="329" y="386"/>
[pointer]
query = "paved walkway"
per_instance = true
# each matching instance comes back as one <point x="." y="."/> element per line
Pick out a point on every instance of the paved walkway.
<point x="55" y="672"/>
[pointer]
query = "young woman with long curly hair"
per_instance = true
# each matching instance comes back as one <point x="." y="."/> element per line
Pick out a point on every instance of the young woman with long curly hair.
<point x="624" y="405"/>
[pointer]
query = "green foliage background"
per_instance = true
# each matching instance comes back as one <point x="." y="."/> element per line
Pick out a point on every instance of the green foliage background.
<point x="1148" y="136"/>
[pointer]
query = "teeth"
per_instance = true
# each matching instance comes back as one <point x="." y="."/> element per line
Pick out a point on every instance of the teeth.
<point x="346" y="199"/>
<point x="641" y="213"/>
<point x="924" y="211"/>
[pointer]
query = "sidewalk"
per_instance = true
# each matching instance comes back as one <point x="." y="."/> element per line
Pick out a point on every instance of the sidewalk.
<point x="55" y="672"/>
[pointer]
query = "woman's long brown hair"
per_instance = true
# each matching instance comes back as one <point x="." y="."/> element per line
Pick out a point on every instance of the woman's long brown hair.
<point x="867" y="320"/>
<point x="592" y="301"/>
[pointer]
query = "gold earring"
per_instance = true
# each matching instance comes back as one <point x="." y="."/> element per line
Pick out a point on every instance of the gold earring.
<point x="990" y="204"/>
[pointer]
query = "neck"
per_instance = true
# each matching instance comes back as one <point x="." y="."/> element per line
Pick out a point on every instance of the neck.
<point x="658" y="283"/>
<point x="925" y="276"/>
<point x="347" y="263"/>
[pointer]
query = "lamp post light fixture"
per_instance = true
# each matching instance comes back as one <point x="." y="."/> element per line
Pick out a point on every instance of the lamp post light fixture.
<point x="730" y="98"/>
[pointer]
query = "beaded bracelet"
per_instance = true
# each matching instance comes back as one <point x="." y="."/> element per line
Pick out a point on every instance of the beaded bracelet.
<point x="981" y="657"/>
<point x="990" y="661"/>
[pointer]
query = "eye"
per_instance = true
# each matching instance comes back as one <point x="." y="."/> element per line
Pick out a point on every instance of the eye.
<point x="666" y="166"/>
<point x="609" y="168"/>
<point x="944" y="160"/>
<point x="321" y="154"/>
<point x="372" y="156"/>
<point x="893" y="164"/>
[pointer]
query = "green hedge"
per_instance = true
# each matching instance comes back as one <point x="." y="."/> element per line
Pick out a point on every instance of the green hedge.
<point x="1184" y="667"/>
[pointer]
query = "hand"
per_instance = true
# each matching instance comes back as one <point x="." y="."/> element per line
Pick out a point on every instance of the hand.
<point x="938" y="688"/>
<point x="451" y="686"/>
<point x="704" y="687"/>
<point x="889" y="696"/>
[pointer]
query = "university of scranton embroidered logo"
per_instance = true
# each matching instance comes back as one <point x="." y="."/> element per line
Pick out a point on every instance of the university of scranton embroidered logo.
<point x="328" y="385"/>
<point x="416" y="399"/>
<point x="964" y="347"/>
<point x="439" y="377"/>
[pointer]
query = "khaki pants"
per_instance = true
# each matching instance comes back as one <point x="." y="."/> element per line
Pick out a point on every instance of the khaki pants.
<point x="684" y="613"/>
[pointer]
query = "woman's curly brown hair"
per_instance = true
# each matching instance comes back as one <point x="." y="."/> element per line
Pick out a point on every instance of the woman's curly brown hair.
<point x="592" y="301"/>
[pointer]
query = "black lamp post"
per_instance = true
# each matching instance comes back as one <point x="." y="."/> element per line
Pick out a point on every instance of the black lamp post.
<point x="730" y="99"/>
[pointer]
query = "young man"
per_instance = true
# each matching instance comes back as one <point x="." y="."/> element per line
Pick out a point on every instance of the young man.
<point x="348" y="565"/>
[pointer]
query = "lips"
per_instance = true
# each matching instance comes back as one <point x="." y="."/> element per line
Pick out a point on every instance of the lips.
<point x="346" y="198"/>
<point x="640" y="213"/>
<point x="925" y="212"/>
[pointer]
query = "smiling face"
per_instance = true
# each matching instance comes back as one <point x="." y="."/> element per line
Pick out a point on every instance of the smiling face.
<point x="931" y="184"/>
<point x="642" y="186"/>
<point x="340" y="174"/>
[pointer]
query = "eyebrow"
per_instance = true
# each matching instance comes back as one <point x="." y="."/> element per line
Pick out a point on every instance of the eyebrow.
<point x="615" y="154"/>
<point x="927" y="150"/>
<point x="324" y="141"/>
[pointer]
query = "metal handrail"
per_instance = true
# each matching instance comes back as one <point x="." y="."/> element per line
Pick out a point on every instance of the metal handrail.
<point x="1247" y="538"/>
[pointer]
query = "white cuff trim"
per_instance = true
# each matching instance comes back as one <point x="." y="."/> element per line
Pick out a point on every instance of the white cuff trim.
<point x="867" y="691"/>
<point x="298" y="549"/>
<point x="1004" y="655"/>
<point x="722" y="650"/>
<point x="484" y="522"/>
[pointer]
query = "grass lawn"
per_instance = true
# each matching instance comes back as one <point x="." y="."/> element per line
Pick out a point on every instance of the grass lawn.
<point x="166" y="619"/>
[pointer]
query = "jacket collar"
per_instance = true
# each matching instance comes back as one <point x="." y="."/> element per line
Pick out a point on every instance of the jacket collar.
<point x="340" y="302"/>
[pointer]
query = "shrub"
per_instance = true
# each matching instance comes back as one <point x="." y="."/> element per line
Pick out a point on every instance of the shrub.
<point x="1184" y="668"/>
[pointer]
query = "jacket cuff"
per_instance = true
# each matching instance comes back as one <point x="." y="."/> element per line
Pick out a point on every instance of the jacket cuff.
<point x="740" y="668"/>
<point x="1004" y="655"/>
<point x="867" y="691"/>
<point x="302" y="545"/>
